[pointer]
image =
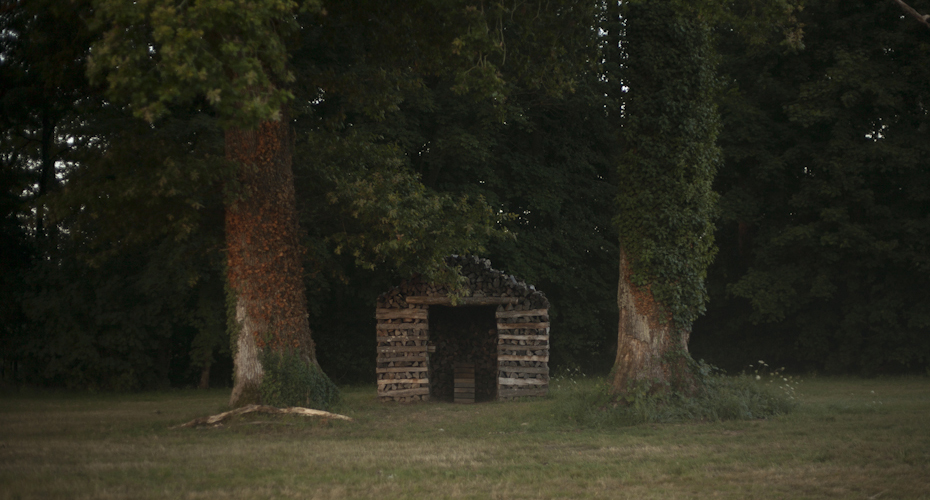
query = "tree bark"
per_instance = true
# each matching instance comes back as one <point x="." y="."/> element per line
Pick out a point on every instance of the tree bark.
<point x="264" y="255"/>
<point x="666" y="201"/>
<point x="649" y="349"/>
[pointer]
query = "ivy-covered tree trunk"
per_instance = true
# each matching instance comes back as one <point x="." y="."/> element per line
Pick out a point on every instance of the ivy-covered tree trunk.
<point x="666" y="203"/>
<point x="264" y="256"/>
<point x="645" y="340"/>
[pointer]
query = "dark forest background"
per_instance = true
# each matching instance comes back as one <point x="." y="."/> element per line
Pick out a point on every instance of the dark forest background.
<point x="112" y="269"/>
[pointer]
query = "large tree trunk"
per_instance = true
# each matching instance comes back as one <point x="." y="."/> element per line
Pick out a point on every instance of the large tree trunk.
<point x="264" y="256"/>
<point x="649" y="349"/>
<point x="666" y="201"/>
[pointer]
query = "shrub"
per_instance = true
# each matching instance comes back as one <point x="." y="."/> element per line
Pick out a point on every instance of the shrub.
<point x="719" y="397"/>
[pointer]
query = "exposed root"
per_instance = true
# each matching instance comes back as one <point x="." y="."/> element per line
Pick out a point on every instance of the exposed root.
<point x="296" y="410"/>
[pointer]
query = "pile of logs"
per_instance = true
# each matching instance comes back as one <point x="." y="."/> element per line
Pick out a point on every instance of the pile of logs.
<point x="411" y="368"/>
<point x="522" y="352"/>
<point x="403" y="354"/>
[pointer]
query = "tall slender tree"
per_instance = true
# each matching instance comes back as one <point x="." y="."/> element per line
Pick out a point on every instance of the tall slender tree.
<point x="661" y="64"/>
<point x="666" y="204"/>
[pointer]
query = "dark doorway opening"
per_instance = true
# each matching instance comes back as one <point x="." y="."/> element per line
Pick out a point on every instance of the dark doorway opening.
<point x="465" y="334"/>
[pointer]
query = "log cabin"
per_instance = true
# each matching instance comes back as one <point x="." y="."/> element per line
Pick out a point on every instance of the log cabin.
<point x="490" y="343"/>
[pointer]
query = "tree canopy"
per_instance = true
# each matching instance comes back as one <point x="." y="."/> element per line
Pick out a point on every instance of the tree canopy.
<point x="824" y="206"/>
<point x="526" y="133"/>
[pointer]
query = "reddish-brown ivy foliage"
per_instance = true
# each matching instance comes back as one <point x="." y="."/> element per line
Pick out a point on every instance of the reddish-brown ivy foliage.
<point x="264" y="256"/>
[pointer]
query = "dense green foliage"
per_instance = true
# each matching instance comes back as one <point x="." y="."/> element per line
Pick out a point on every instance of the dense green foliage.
<point x="104" y="253"/>
<point x="824" y="229"/>
<point x="370" y="220"/>
<point x="117" y="326"/>
<point x="550" y="169"/>
<point x="427" y="128"/>
<point x="123" y="290"/>
<point x="157" y="53"/>
<point x="669" y="156"/>
<point x="371" y="223"/>
<point x="292" y="381"/>
<point x="539" y="159"/>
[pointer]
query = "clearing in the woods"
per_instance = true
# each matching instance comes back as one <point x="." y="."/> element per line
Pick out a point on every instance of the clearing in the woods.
<point x="849" y="438"/>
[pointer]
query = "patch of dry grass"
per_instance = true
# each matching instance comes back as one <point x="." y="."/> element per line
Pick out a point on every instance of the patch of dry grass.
<point x="850" y="438"/>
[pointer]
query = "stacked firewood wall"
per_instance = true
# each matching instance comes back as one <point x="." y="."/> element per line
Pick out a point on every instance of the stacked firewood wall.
<point x="523" y="348"/>
<point x="522" y="333"/>
<point x="403" y="364"/>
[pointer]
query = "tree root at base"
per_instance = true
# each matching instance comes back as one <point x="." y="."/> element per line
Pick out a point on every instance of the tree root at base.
<point x="296" y="410"/>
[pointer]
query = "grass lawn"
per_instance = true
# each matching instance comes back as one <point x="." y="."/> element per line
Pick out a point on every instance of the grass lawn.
<point x="849" y="438"/>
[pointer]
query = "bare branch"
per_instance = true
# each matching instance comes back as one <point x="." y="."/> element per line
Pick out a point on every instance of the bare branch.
<point x="925" y="19"/>
<point x="215" y="419"/>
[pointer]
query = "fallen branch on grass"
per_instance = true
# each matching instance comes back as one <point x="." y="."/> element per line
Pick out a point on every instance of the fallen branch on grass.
<point x="295" y="410"/>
